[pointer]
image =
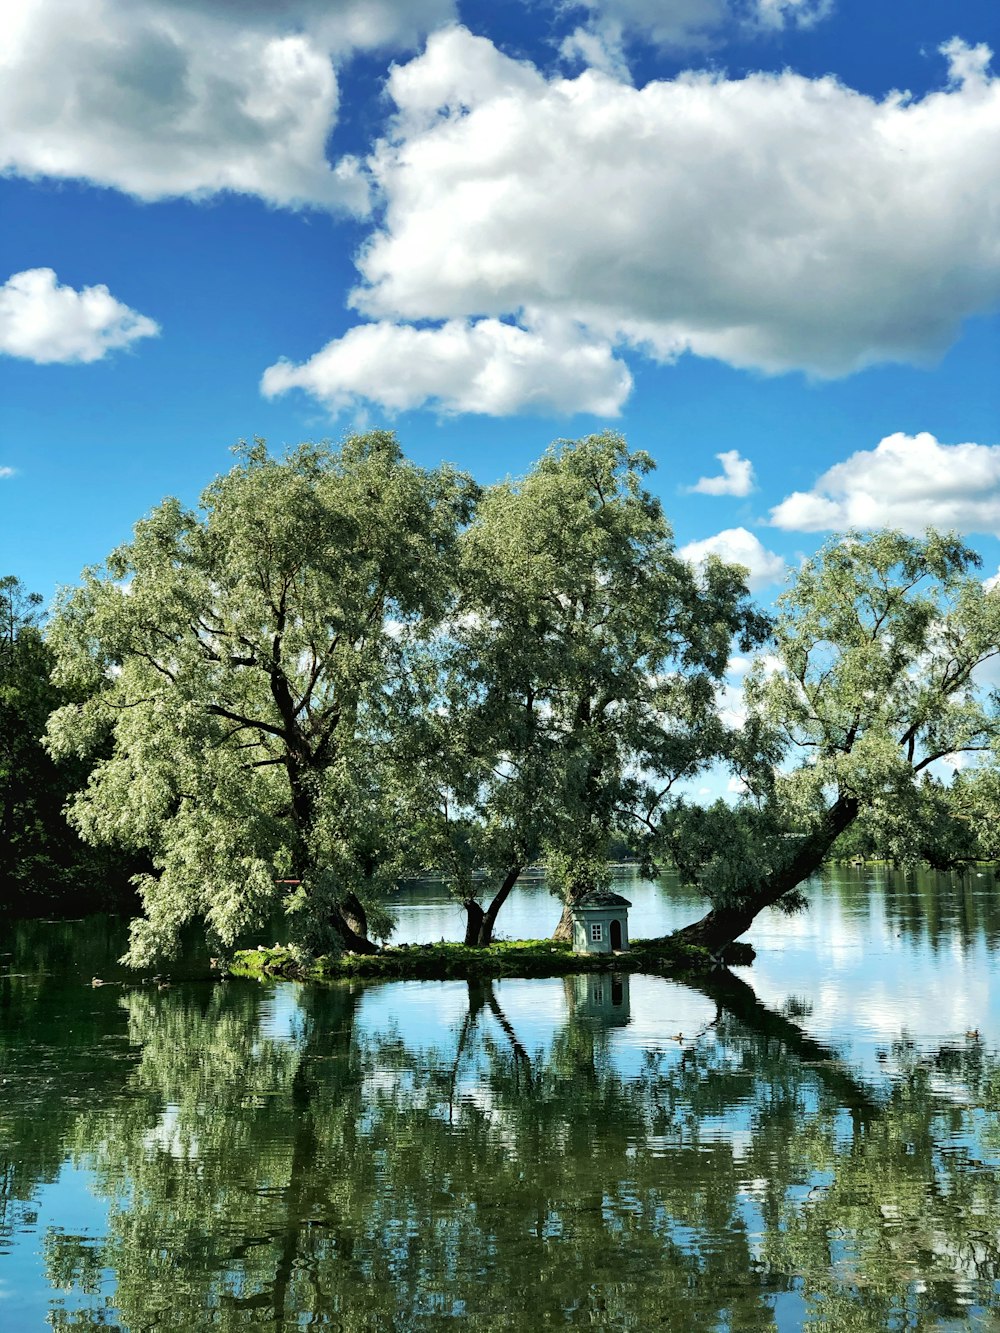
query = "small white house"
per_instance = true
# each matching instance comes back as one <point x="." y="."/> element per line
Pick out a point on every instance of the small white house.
<point x="600" y="923"/>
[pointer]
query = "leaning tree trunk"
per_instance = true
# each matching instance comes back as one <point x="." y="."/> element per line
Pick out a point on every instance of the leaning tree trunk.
<point x="480" y="923"/>
<point x="721" y="925"/>
<point x="355" y="914"/>
<point x="349" y="937"/>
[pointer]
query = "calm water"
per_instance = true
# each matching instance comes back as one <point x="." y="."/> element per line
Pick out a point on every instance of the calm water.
<point x="812" y="1143"/>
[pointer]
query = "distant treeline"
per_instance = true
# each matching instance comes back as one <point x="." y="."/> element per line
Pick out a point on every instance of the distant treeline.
<point x="44" y="864"/>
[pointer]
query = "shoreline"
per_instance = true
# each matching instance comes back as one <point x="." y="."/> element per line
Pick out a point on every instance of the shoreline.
<point x="458" y="962"/>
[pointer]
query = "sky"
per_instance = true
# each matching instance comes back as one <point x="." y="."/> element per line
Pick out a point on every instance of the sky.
<point x="759" y="237"/>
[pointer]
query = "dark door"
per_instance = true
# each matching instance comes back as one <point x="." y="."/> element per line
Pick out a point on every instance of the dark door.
<point x="616" y="935"/>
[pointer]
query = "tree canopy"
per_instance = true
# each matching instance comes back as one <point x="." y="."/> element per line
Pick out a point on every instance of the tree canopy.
<point x="576" y="683"/>
<point x="876" y="678"/>
<point x="42" y="861"/>
<point x="344" y="668"/>
<point x="237" y="662"/>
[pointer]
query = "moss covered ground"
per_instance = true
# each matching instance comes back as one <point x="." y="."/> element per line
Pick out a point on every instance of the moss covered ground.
<point x="514" y="958"/>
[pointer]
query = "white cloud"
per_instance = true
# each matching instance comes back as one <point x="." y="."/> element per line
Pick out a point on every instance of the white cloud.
<point x="597" y="46"/>
<point x="677" y="24"/>
<point x="967" y="64"/>
<point x="730" y="698"/>
<point x="6" y="472"/>
<point x="484" y="366"/>
<point x="791" y="13"/>
<point x="608" y="25"/>
<point x="43" y="321"/>
<point x="908" y="481"/>
<point x="730" y="704"/>
<point x="163" y="98"/>
<point x="340" y="25"/>
<point x="737" y="546"/>
<point x="736" y="479"/>
<point x="772" y="222"/>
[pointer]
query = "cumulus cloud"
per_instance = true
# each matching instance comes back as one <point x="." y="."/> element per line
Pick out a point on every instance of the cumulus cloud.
<point x="483" y="366"/>
<point x="43" y="321"/>
<point x="737" y="546"/>
<point x="774" y="221"/>
<point x="909" y="482"/>
<point x="736" y="479"/>
<point x="6" y="472"/>
<point x="163" y="98"/>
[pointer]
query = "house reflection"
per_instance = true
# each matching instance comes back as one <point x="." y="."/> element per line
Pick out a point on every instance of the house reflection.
<point x="601" y="998"/>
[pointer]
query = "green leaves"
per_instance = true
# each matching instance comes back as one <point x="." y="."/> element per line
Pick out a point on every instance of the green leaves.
<point x="240" y="660"/>
<point x="342" y="668"/>
<point x="875" y="679"/>
<point x="41" y="859"/>
<point x="584" y="660"/>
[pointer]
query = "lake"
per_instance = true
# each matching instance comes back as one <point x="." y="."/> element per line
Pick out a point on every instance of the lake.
<point x="811" y="1142"/>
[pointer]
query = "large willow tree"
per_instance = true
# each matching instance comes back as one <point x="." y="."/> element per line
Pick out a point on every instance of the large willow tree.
<point x="877" y="677"/>
<point x="238" y="662"/>
<point x="580" y="674"/>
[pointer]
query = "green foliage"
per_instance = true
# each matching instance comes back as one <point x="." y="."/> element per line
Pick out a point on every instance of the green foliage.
<point x="578" y="679"/>
<point x="945" y="826"/>
<point x="508" y="958"/>
<point x="43" y="864"/>
<point x="238" y="664"/>
<point x="874" y="679"/>
<point x="344" y="668"/>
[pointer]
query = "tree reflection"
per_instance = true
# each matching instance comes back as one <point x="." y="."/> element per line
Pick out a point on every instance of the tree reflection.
<point x="335" y="1173"/>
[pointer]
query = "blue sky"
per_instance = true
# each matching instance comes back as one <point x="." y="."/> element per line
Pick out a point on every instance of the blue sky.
<point x="766" y="229"/>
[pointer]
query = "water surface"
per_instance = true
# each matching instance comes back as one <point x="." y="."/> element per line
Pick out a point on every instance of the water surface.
<point x="814" y="1143"/>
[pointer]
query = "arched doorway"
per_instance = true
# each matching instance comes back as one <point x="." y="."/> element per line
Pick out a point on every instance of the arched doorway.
<point x="616" y="936"/>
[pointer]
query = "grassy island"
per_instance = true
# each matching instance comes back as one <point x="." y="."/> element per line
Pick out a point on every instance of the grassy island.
<point x="514" y="958"/>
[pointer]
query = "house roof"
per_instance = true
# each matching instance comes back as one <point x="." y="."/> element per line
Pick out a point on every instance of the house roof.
<point x="600" y="899"/>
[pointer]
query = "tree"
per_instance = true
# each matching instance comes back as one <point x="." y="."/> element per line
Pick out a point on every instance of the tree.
<point x="239" y="664"/>
<point x="41" y="859"/>
<point x="23" y="709"/>
<point x="875" y="678"/>
<point x="579" y="677"/>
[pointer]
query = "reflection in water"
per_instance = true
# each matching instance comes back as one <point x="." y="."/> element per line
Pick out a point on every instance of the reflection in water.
<point x="257" y="1171"/>
<point x="586" y="1151"/>
<point x="599" y="997"/>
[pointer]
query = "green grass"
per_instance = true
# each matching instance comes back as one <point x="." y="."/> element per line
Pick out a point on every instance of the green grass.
<point x="514" y="958"/>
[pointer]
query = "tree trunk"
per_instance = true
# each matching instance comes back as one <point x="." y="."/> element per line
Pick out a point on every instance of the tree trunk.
<point x="564" y="930"/>
<point x="351" y="923"/>
<point x="736" y="997"/>
<point x="355" y="914"/>
<point x="480" y="924"/>
<point x="350" y="938"/>
<point x="474" y="918"/>
<point x="721" y="925"/>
